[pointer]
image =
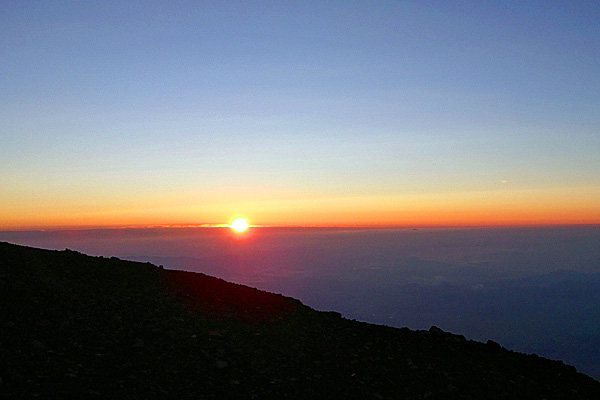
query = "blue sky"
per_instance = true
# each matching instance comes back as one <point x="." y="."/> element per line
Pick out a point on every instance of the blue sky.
<point x="192" y="106"/>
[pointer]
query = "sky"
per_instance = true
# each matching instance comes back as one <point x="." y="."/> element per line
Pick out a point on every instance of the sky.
<point x="299" y="113"/>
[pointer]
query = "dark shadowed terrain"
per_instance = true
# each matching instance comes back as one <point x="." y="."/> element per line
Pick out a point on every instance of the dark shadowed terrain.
<point x="80" y="326"/>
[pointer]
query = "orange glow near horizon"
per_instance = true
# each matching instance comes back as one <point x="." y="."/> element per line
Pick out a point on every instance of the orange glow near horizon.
<point x="564" y="206"/>
<point x="446" y="220"/>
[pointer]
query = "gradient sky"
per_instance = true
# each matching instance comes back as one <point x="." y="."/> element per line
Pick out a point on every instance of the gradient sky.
<point x="309" y="113"/>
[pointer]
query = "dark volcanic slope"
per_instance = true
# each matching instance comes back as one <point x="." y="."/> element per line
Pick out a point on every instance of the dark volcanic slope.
<point x="79" y="326"/>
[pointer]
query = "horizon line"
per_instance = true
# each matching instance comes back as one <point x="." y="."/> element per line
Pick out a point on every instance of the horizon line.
<point x="291" y="226"/>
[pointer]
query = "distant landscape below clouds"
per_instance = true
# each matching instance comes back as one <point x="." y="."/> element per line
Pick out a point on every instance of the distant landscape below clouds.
<point x="532" y="289"/>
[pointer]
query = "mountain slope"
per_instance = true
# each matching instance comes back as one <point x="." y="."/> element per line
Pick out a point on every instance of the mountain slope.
<point x="74" y="325"/>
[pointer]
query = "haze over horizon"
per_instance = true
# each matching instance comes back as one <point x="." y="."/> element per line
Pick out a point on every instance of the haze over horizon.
<point x="299" y="113"/>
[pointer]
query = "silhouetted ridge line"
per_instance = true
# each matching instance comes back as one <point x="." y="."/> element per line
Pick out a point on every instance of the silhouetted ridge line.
<point x="94" y="327"/>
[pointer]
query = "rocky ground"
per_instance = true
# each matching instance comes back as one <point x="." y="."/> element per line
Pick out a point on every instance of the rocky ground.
<point x="92" y="327"/>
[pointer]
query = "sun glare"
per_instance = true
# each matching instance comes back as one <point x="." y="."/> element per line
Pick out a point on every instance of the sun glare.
<point x="239" y="224"/>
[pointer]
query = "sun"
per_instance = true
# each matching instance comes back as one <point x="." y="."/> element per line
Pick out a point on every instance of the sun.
<point x="239" y="224"/>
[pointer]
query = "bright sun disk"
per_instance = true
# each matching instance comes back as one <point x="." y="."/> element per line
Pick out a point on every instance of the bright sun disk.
<point x="239" y="224"/>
